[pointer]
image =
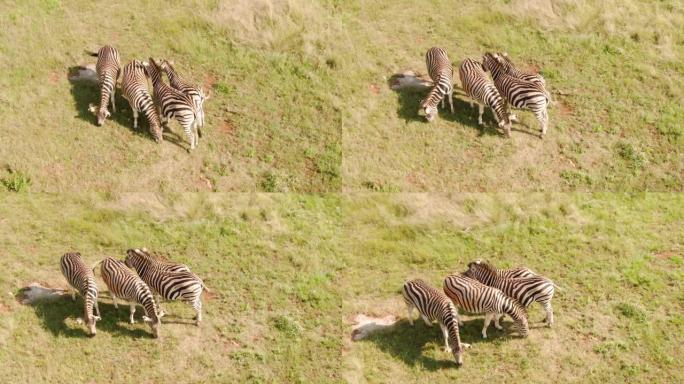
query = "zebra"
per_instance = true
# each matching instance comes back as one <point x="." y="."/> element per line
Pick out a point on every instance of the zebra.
<point x="477" y="85"/>
<point x="472" y="296"/>
<point x="81" y="279"/>
<point x="174" y="103"/>
<point x="196" y="93"/>
<point x="156" y="263"/>
<point x="183" y="285"/>
<point x="108" y="70"/>
<point x="134" y="86"/>
<point x="511" y="273"/>
<point x="441" y="73"/>
<point x="125" y="284"/>
<point x="525" y="290"/>
<point x="520" y="93"/>
<point x="432" y="306"/>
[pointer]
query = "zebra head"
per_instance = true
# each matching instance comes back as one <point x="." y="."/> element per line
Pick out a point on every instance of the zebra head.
<point x="90" y="323"/>
<point x="154" y="323"/>
<point x="428" y="111"/>
<point x="102" y="113"/>
<point x="136" y="258"/>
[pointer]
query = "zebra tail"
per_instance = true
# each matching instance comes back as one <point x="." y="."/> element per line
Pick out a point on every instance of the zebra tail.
<point x="90" y="53"/>
<point x="559" y="288"/>
<point x="96" y="265"/>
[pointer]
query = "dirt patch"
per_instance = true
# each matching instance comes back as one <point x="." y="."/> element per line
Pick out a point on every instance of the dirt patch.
<point x="564" y="108"/>
<point x="54" y="77"/>
<point x="4" y="308"/>
<point x="227" y="127"/>
<point x="664" y="255"/>
<point x="209" y="80"/>
<point x="374" y="89"/>
<point x="205" y="182"/>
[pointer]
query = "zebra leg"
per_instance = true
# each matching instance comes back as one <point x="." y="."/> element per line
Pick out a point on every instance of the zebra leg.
<point x="132" y="313"/>
<point x="447" y="348"/>
<point x="112" y="96"/>
<point x="409" y="310"/>
<point x="549" y="313"/>
<point x="73" y="294"/>
<point x="451" y="100"/>
<point x="496" y="321"/>
<point x="426" y="320"/>
<point x="487" y="320"/>
<point x="114" y="301"/>
<point x="135" y="118"/>
<point x="481" y="111"/>
<point x="97" y="309"/>
<point x="197" y="306"/>
<point x="188" y="132"/>
<point x="458" y="317"/>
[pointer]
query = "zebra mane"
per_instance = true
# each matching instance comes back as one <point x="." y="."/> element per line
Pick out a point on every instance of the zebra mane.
<point x="483" y="265"/>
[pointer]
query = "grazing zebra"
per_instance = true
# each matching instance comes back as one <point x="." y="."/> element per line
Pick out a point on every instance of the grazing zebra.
<point x="125" y="284"/>
<point x="525" y="290"/>
<point x="477" y="85"/>
<point x="174" y="104"/>
<point x="520" y="93"/>
<point x="81" y="279"/>
<point x="183" y="285"/>
<point x="472" y="296"/>
<point x="441" y="73"/>
<point x="434" y="306"/>
<point x="196" y="93"/>
<point x="134" y="86"/>
<point x="108" y="69"/>
<point x="513" y="71"/>
<point x="156" y="263"/>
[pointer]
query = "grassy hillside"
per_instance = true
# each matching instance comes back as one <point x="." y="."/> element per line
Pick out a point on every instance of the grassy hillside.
<point x="619" y="258"/>
<point x="272" y="122"/>
<point x="270" y="262"/>
<point x="614" y="68"/>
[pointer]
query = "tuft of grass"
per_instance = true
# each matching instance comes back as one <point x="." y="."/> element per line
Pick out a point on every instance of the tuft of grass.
<point x="16" y="181"/>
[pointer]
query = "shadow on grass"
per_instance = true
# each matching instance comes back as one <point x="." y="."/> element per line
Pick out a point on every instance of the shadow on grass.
<point x="408" y="343"/>
<point x="409" y="100"/>
<point x="86" y="93"/>
<point x="115" y="322"/>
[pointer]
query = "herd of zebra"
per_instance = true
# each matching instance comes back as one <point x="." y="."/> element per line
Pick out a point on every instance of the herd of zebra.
<point x="181" y="100"/>
<point x="481" y="289"/>
<point x="152" y="278"/>
<point x="509" y="86"/>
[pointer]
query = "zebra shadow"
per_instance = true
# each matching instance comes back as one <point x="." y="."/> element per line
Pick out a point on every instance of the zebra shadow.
<point x="464" y="114"/>
<point x="86" y="92"/>
<point x="60" y="316"/>
<point x="413" y="344"/>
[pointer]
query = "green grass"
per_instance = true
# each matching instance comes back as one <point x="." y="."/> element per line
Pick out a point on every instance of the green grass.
<point x="271" y="113"/>
<point x="618" y="259"/>
<point x="270" y="262"/>
<point x="617" y="122"/>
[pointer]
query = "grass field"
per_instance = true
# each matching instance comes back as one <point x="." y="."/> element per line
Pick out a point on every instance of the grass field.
<point x="289" y="272"/>
<point x="616" y="126"/>
<point x="272" y="122"/>
<point x="269" y="260"/>
<point x="619" y="259"/>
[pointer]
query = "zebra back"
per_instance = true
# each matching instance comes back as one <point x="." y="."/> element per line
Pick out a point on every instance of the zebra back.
<point x="174" y="103"/>
<point x="134" y="84"/>
<point x="81" y="278"/>
<point x="477" y="85"/>
<point x="441" y="72"/>
<point x="124" y="283"/>
<point x="434" y="305"/>
<point x="183" y="285"/>
<point x="475" y="297"/>
<point x="107" y="67"/>
<point x="520" y="93"/>
<point x="147" y="259"/>
<point x="525" y="290"/>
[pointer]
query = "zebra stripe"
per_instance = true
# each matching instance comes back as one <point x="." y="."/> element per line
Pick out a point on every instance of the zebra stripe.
<point x="441" y="73"/>
<point x="526" y="290"/>
<point x="194" y="92"/>
<point x="108" y="69"/>
<point x="475" y="297"/>
<point x="125" y="284"/>
<point x="147" y="258"/>
<point x="135" y="90"/>
<point x="477" y="85"/>
<point x="174" y="104"/>
<point x="184" y="285"/>
<point x="433" y="305"/>
<point x="81" y="279"/>
<point x="521" y="94"/>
